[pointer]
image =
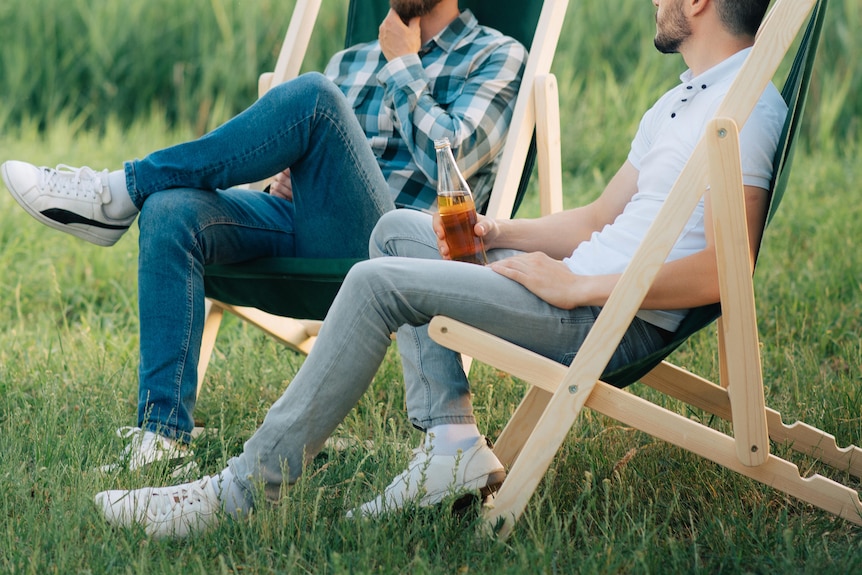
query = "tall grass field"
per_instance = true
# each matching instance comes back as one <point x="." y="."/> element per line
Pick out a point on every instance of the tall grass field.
<point x="98" y="82"/>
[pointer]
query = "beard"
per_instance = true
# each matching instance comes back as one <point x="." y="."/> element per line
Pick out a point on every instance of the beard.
<point x="409" y="9"/>
<point x="672" y="30"/>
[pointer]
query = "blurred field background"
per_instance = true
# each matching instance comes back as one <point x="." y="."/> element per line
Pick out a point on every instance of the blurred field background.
<point x="98" y="82"/>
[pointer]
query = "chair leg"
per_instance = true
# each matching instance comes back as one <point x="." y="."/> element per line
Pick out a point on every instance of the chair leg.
<point x="738" y="339"/>
<point x="720" y="448"/>
<point x="213" y="314"/>
<point x="801" y="437"/>
<point x="299" y="335"/>
<point x="511" y="440"/>
<point x="546" y="375"/>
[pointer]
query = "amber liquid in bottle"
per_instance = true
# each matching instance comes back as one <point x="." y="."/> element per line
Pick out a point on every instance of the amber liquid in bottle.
<point x="458" y="214"/>
<point x="457" y="209"/>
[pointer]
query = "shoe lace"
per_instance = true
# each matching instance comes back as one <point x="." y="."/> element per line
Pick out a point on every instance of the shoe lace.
<point x="165" y="501"/>
<point x="82" y="182"/>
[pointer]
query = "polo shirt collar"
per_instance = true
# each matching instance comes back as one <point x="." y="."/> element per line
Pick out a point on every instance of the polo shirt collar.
<point x="717" y="73"/>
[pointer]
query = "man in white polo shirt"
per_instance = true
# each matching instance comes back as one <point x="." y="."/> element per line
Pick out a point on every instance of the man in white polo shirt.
<point x="546" y="283"/>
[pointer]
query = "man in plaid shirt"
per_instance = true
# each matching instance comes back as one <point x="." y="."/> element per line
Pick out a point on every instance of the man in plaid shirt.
<point x="345" y="148"/>
<point x="461" y="85"/>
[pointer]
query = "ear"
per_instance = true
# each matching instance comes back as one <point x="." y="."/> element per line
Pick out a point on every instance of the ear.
<point x="697" y="7"/>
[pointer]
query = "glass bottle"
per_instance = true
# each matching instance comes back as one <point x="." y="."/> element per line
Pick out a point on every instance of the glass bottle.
<point x="457" y="209"/>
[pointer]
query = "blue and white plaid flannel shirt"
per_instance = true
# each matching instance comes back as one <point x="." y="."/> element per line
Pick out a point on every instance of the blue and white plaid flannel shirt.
<point x="462" y="85"/>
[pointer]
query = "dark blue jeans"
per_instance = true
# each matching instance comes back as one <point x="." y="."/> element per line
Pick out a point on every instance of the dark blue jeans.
<point x="192" y="215"/>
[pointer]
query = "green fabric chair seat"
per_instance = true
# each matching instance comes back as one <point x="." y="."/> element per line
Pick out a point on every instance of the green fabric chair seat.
<point x="288" y="287"/>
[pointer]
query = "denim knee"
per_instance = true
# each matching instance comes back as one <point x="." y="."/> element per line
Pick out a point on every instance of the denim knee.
<point x="170" y="209"/>
<point x="312" y="85"/>
<point x="404" y="232"/>
<point x="166" y="217"/>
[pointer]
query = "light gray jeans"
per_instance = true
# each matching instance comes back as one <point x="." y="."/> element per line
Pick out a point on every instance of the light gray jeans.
<point x="401" y="294"/>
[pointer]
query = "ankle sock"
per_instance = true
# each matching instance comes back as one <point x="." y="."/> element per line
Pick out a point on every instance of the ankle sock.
<point x="121" y="205"/>
<point x="447" y="439"/>
<point x="231" y="494"/>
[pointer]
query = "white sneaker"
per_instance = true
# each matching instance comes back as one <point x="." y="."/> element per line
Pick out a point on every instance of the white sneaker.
<point x="429" y="478"/>
<point x="146" y="447"/>
<point x="66" y="199"/>
<point x="175" y="511"/>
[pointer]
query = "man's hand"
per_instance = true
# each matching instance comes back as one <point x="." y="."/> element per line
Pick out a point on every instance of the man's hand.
<point x="549" y="279"/>
<point x="281" y="186"/>
<point x="398" y="39"/>
<point x="486" y="228"/>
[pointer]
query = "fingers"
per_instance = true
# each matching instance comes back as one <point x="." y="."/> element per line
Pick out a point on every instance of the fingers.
<point x="520" y="266"/>
<point x="512" y="268"/>
<point x="487" y="229"/>
<point x="442" y="246"/>
<point x="398" y="38"/>
<point x="282" y="186"/>
<point x="483" y="226"/>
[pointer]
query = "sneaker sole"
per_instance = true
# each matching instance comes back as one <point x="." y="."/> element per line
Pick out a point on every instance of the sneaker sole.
<point x="484" y="485"/>
<point x="69" y="222"/>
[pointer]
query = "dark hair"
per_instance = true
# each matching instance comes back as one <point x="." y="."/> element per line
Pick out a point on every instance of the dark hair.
<point x="742" y="17"/>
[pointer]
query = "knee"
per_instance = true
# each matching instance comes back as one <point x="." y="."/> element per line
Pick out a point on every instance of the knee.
<point x="312" y="86"/>
<point x="365" y="279"/>
<point x="164" y="208"/>
<point x="378" y="242"/>
<point x="165" y="217"/>
<point x="403" y="232"/>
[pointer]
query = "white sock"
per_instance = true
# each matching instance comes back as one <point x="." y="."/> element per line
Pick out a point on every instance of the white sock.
<point x="121" y="205"/>
<point x="231" y="495"/>
<point x="447" y="439"/>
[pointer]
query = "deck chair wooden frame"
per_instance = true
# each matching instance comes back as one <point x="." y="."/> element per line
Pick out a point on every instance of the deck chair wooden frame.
<point x="299" y="334"/>
<point x="540" y="424"/>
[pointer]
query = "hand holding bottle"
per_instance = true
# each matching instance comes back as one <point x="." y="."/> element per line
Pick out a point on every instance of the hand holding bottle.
<point x="485" y="228"/>
<point x="456" y="209"/>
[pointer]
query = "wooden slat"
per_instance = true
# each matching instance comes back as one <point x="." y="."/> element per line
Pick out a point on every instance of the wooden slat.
<point x="548" y="155"/>
<point x="520" y="134"/>
<point x="296" y="40"/>
<point x="546" y="375"/>
<point x="738" y="326"/>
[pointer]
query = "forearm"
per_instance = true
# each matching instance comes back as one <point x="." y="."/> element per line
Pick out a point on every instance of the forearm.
<point x="681" y="284"/>
<point x="556" y="235"/>
<point x="475" y="120"/>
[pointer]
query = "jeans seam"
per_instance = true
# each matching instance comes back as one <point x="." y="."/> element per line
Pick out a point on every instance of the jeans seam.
<point x="390" y="240"/>
<point x="361" y="169"/>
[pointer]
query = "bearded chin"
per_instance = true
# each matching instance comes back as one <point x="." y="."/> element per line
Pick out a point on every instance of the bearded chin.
<point x="409" y="9"/>
<point x="667" y="45"/>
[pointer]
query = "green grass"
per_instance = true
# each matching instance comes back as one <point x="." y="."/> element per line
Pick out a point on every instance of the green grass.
<point x="614" y="500"/>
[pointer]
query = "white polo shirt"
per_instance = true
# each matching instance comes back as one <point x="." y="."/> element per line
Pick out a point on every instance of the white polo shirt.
<point x="666" y="138"/>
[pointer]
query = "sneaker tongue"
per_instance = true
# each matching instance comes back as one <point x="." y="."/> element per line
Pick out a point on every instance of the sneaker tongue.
<point x="76" y="181"/>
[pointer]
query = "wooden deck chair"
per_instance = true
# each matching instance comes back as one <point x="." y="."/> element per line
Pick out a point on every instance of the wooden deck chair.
<point x="538" y="427"/>
<point x="287" y="297"/>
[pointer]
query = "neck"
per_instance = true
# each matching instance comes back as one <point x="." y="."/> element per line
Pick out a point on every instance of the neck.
<point x="438" y="19"/>
<point x="710" y="42"/>
<point x="700" y="57"/>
